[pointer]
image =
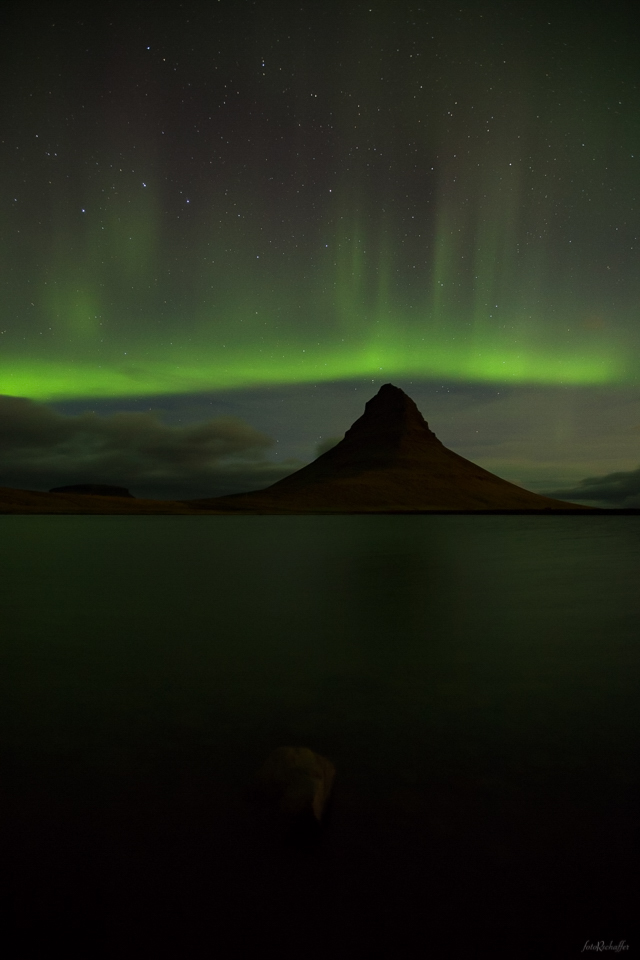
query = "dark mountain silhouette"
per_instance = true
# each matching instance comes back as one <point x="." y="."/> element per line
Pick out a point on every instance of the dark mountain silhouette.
<point x="94" y="490"/>
<point x="388" y="461"/>
<point x="13" y="500"/>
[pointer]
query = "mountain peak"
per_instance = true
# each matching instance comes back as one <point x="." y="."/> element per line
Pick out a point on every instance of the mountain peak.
<point x="390" y="416"/>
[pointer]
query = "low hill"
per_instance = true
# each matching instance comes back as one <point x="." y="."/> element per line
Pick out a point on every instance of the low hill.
<point x="34" y="501"/>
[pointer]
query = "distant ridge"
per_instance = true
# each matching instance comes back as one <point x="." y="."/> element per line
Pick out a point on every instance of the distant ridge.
<point x="13" y="500"/>
<point x="94" y="490"/>
<point x="389" y="461"/>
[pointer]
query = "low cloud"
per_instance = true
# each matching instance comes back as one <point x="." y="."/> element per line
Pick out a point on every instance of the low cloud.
<point x="613" y="490"/>
<point x="41" y="448"/>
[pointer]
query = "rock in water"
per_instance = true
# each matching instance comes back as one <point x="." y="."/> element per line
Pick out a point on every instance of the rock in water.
<point x="297" y="781"/>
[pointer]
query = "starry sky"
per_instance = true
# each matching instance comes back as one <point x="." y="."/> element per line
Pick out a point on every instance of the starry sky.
<point x="224" y="225"/>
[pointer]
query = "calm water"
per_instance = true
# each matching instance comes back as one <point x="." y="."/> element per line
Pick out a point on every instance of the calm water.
<point x="474" y="679"/>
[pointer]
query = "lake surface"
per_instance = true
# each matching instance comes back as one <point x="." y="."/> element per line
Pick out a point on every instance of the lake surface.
<point x="474" y="680"/>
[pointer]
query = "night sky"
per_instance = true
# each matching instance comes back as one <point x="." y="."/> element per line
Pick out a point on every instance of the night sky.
<point x="225" y="225"/>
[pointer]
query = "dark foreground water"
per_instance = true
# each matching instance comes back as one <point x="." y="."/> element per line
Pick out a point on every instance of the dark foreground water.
<point x="474" y="679"/>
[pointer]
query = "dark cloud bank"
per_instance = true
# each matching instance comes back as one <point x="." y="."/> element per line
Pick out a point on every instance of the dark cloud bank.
<point x="41" y="448"/>
<point x="616" y="490"/>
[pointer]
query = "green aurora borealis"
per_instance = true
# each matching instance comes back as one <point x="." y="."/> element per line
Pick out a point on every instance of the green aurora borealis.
<point x="307" y="194"/>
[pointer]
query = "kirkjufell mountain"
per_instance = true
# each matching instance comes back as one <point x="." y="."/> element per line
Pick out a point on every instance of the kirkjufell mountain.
<point x="388" y="461"/>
